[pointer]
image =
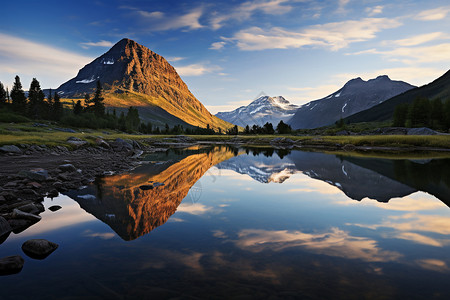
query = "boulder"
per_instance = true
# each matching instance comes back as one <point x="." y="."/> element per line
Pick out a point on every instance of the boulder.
<point x="146" y="187"/>
<point x="121" y="145"/>
<point x="67" y="168"/>
<point x="53" y="193"/>
<point x="54" y="208"/>
<point x="101" y="142"/>
<point x="29" y="208"/>
<point x="5" y="228"/>
<point x="11" y="265"/>
<point x="18" y="214"/>
<point x="10" y="149"/>
<point x="35" y="174"/>
<point x="421" y="131"/>
<point x="282" y="143"/>
<point x="19" y="225"/>
<point x="38" y="248"/>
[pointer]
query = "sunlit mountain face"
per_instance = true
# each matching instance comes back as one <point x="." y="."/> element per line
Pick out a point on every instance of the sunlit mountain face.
<point x="133" y="204"/>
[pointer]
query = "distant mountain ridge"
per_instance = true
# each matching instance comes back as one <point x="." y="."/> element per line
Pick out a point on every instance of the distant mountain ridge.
<point x="439" y="88"/>
<point x="355" y="96"/>
<point x="133" y="75"/>
<point x="260" y="111"/>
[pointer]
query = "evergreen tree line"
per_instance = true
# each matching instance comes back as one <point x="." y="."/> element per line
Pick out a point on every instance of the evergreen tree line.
<point x="423" y="112"/>
<point x="35" y="106"/>
<point x="90" y="114"/>
<point x="282" y="128"/>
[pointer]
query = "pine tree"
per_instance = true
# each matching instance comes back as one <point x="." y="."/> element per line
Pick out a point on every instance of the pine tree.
<point x="2" y="95"/>
<point x="98" y="106"/>
<point x="77" y="108"/>
<point x="400" y="115"/>
<point x="87" y="102"/>
<point x="19" y="101"/>
<point x="247" y="130"/>
<point x="268" y="128"/>
<point x="132" y="119"/>
<point x="57" y="108"/>
<point x="283" y="128"/>
<point x="36" y="98"/>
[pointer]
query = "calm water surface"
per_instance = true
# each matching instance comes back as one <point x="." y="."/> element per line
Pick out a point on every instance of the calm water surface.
<point x="247" y="224"/>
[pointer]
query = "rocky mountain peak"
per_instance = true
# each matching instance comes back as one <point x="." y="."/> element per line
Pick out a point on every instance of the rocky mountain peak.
<point x="132" y="74"/>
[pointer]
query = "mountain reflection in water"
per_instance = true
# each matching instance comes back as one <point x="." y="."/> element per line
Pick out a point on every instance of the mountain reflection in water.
<point x="132" y="210"/>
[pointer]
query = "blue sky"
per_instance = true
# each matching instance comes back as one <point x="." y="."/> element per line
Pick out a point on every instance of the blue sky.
<point x="229" y="52"/>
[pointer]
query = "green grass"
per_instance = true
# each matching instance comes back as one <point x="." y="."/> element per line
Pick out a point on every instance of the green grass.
<point x="25" y="133"/>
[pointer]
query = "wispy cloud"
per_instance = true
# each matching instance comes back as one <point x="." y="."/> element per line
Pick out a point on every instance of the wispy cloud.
<point x="334" y="36"/>
<point x="50" y="65"/>
<point x="101" y="43"/>
<point x="217" y="45"/>
<point x="416" y="55"/>
<point x="434" y="14"/>
<point x="160" y="21"/>
<point x="336" y="243"/>
<point x="418" y="39"/>
<point x="376" y="10"/>
<point x="247" y="9"/>
<point x="175" y="58"/>
<point x="196" y="69"/>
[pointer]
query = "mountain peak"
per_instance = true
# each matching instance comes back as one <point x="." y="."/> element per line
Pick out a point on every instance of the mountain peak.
<point x="142" y="78"/>
<point x="356" y="95"/>
<point x="263" y="109"/>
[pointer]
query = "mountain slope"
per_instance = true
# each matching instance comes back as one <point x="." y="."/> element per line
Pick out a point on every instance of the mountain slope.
<point x="262" y="110"/>
<point x="355" y="96"/>
<point x="132" y="74"/>
<point x="385" y="111"/>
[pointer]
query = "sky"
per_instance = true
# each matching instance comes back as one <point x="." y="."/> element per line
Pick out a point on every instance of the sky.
<point x="230" y="52"/>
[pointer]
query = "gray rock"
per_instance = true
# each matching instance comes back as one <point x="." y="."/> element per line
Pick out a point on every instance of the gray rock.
<point x="67" y="168"/>
<point x="11" y="265"/>
<point x="53" y="193"/>
<point x="54" y="208"/>
<point x="35" y="174"/>
<point x="100" y="142"/>
<point x="19" y="225"/>
<point x="18" y="214"/>
<point x="38" y="248"/>
<point x="421" y="131"/>
<point x="5" y="228"/>
<point x="10" y="149"/>
<point x="29" y="208"/>
<point x="121" y="145"/>
<point x="66" y="130"/>
<point x="77" y="144"/>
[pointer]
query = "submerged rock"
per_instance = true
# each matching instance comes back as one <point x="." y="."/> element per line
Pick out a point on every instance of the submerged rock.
<point x="5" y="229"/>
<point x="38" y="248"/>
<point x="11" y="265"/>
<point x="54" y="208"/>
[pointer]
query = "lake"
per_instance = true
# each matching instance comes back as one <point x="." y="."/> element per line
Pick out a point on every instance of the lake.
<point x="228" y="223"/>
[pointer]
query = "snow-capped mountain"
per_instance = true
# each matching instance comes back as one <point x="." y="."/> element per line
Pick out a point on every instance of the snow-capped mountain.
<point x="355" y="96"/>
<point x="261" y="168"/>
<point x="260" y="111"/>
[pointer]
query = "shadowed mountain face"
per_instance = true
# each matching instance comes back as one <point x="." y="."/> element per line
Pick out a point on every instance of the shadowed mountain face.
<point x="358" y="178"/>
<point x="134" y="204"/>
<point x="355" y="96"/>
<point x="133" y="75"/>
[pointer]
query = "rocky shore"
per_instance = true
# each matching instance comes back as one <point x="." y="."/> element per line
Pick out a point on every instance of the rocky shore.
<point x="29" y="173"/>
